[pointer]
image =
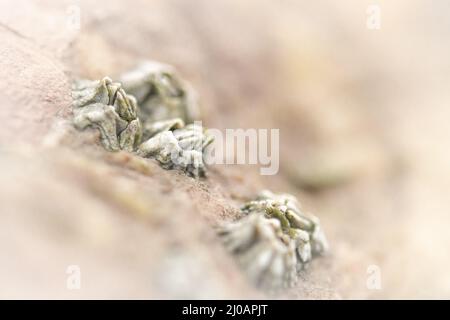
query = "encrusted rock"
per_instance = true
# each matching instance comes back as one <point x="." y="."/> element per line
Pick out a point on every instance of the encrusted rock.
<point x="274" y="240"/>
<point x="160" y="93"/>
<point x="105" y="105"/>
<point x="177" y="146"/>
<point x="165" y="104"/>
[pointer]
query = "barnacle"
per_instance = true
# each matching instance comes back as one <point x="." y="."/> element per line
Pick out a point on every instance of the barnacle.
<point x="160" y="93"/>
<point x="105" y="105"/>
<point x="287" y="209"/>
<point x="177" y="146"/>
<point x="274" y="239"/>
<point x="266" y="254"/>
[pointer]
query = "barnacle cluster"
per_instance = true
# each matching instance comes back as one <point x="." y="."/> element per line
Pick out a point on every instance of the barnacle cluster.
<point x="152" y="124"/>
<point x="177" y="146"/>
<point x="274" y="240"/>
<point x="105" y="105"/>
<point x="160" y="93"/>
<point x="150" y="112"/>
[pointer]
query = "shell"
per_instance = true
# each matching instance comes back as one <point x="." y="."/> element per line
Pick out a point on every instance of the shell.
<point x="287" y="209"/>
<point x="161" y="94"/>
<point x="165" y="102"/>
<point x="264" y="252"/>
<point x="103" y="104"/>
<point x="274" y="240"/>
<point x="175" y="146"/>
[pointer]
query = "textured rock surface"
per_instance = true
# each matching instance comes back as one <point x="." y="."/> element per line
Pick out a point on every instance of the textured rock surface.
<point x="362" y="116"/>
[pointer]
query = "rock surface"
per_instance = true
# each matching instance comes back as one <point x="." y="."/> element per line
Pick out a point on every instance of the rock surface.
<point x="358" y="147"/>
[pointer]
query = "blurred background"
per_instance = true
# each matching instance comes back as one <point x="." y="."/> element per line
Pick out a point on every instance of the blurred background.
<point x="359" y="91"/>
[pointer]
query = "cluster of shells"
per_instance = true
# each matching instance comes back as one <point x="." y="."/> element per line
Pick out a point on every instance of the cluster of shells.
<point x="150" y="112"/>
<point x="274" y="240"/>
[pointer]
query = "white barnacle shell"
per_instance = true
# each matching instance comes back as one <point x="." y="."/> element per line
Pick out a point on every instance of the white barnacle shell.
<point x="150" y="129"/>
<point x="139" y="78"/>
<point x="104" y="104"/>
<point x="262" y="250"/>
<point x="166" y="103"/>
<point x="160" y="92"/>
<point x="176" y="146"/>
<point x="282" y="199"/>
<point x="319" y="242"/>
<point x="287" y="209"/>
<point x="163" y="147"/>
<point x="86" y="92"/>
<point x="302" y="246"/>
<point x="104" y="118"/>
<point x="275" y="227"/>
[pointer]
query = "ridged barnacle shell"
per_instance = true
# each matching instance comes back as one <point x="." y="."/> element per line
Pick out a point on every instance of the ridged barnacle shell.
<point x="274" y="240"/>
<point x="265" y="253"/>
<point x="160" y="93"/>
<point x="287" y="209"/>
<point x="105" y="105"/>
<point x="176" y="146"/>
